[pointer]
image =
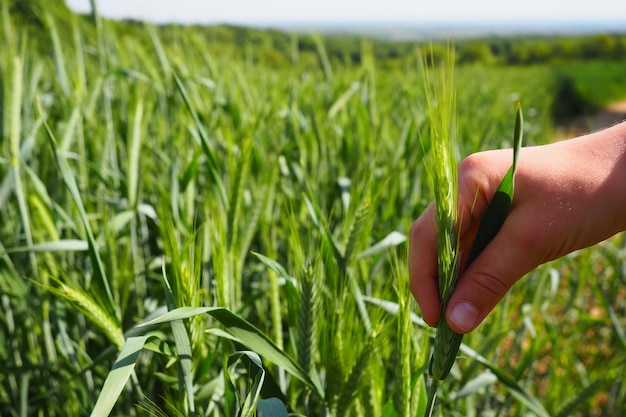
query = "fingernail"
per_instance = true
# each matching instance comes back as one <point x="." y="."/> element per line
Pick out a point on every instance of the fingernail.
<point x="464" y="315"/>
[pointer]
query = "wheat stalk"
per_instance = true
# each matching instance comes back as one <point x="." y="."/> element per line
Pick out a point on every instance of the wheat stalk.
<point x="442" y="169"/>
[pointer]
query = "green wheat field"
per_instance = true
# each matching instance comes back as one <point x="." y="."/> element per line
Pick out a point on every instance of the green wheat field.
<point x="252" y="203"/>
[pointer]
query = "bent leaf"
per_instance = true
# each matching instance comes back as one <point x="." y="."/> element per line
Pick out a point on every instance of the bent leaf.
<point x="249" y="336"/>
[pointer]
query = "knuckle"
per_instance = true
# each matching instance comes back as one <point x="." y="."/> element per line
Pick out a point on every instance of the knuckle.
<point x="471" y="167"/>
<point x="473" y="185"/>
<point x="490" y="284"/>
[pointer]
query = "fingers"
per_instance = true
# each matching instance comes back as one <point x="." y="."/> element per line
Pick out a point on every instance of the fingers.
<point x="479" y="176"/>
<point x="423" y="265"/>
<point x="558" y="208"/>
<point x="481" y="286"/>
<point x="476" y="185"/>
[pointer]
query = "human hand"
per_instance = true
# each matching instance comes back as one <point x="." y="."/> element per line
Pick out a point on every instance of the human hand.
<point x="568" y="195"/>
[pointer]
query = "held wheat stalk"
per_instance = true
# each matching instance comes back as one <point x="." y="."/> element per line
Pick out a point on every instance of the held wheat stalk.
<point x="442" y="169"/>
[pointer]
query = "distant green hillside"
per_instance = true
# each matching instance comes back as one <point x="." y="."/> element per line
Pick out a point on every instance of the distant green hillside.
<point x="588" y="71"/>
<point x="275" y="48"/>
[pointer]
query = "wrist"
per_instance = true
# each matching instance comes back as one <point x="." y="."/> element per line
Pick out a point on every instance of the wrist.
<point x="607" y="151"/>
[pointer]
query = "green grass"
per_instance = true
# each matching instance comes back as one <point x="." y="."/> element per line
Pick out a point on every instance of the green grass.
<point x="594" y="84"/>
<point x="584" y="88"/>
<point x="258" y="206"/>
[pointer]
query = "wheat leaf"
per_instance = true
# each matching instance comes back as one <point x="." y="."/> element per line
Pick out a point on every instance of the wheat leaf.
<point x="183" y="345"/>
<point x="105" y="294"/>
<point x="247" y="334"/>
<point x="271" y="407"/>
<point x="120" y="372"/>
<point x="252" y="360"/>
<point x="63" y="245"/>
<point x="499" y="206"/>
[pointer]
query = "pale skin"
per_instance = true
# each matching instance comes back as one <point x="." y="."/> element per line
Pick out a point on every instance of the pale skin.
<point x="569" y="195"/>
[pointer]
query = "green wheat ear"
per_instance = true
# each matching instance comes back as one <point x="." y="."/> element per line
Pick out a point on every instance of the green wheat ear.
<point x="442" y="168"/>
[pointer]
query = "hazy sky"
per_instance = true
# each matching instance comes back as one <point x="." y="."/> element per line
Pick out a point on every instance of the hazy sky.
<point x="331" y="11"/>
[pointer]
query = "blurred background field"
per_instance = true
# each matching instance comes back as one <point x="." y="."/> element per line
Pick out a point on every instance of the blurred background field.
<point x="275" y="174"/>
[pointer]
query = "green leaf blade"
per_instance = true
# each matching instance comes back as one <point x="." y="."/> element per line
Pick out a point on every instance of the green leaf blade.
<point x="247" y="334"/>
<point x="498" y="209"/>
<point x="120" y="372"/>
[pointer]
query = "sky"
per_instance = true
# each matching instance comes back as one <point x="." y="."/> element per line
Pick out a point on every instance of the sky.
<point x="257" y="12"/>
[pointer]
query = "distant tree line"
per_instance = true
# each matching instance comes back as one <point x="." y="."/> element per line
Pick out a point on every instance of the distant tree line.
<point x="278" y="48"/>
<point x="539" y="50"/>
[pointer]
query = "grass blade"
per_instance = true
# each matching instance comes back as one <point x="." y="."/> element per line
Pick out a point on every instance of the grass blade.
<point x="391" y="240"/>
<point x="521" y="394"/>
<point x="500" y="204"/>
<point x="483" y="380"/>
<point x="570" y="406"/>
<point x="120" y="372"/>
<point x="343" y="100"/>
<point x="271" y="407"/>
<point x="183" y="346"/>
<point x="254" y="339"/>
<point x="59" y="60"/>
<point x="66" y="245"/>
<point x="247" y="334"/>
<point x="273" y="265"/>
<point x="205" y="142"/>
<point x="351" y="386"/>
<point x="135" y="136"/>
<point x="252" y="360"/>
<point x="104" y="292"/>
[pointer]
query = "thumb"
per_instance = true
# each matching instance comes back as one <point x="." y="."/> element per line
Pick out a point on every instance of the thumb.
<point x="485" y="282"/>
